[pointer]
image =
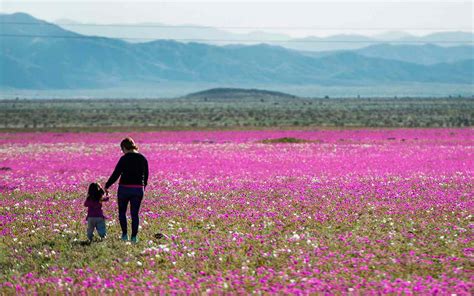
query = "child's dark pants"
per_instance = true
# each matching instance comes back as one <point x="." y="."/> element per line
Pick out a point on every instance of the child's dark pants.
<point x="134" y="196"/>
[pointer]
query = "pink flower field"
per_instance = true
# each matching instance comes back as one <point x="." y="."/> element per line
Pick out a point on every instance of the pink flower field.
<point x="347" y="212"/>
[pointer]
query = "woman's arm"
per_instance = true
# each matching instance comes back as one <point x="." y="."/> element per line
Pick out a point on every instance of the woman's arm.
<point x="145" y="173"/>
<point x="115" y="175"/>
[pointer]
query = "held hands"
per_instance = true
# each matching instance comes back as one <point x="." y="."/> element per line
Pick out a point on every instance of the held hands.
<point x="106" y="197"/>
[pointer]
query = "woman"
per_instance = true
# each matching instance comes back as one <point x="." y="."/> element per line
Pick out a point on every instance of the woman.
<point x="132" y="168"/>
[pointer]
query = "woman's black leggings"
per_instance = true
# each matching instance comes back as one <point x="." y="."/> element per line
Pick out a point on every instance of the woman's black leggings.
<point x="134" y="196"/>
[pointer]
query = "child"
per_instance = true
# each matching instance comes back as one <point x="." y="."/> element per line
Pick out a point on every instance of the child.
<point x="95" y="216"/>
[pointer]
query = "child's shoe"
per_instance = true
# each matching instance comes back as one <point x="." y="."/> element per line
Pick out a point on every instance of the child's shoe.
<point x="125" y="237"/>
<point x="134" y="239"/>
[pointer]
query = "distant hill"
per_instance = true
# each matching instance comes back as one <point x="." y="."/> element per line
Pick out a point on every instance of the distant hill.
<point x="45" y="56"/>
<point x="146" y="32"/>
<point x="228" y="94"/>
<point x="446" y="38"/>
<point x="427" y="54"/>
<point x="329" y="43"/>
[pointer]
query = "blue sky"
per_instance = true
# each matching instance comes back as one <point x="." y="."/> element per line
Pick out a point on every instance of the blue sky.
<point x="288" y="17"/>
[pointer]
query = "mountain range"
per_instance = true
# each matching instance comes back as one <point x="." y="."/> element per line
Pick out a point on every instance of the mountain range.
<point x="143" y="32"/>
<point x="425" y="54"/>
<point x="350" y="42"/>
<point x="39" y="55"/>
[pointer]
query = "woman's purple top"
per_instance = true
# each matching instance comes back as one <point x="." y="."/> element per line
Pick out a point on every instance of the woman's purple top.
<point x="94" y="208"/>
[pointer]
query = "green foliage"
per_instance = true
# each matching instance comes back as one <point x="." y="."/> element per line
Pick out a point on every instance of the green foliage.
<point x="199" y="113"/>
<point x="284" y="140"/>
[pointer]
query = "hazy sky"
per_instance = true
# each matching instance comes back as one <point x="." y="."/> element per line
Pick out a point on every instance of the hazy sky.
<point x="323" y="17"/>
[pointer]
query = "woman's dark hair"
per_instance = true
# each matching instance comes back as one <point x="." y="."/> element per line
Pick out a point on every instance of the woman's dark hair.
<point x="128" y="144"/>
<point x="95" y="192"/>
